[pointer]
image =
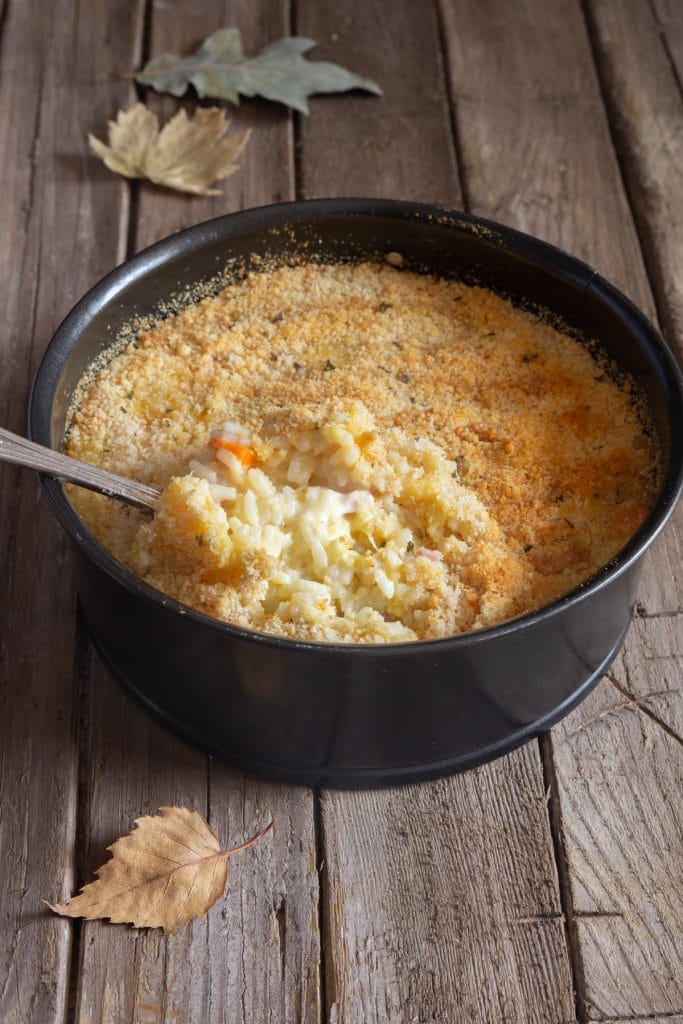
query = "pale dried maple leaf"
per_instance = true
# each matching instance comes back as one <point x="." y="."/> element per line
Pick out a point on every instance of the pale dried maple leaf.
<point x="162" y="874"/>
<point x="187" y="154"/>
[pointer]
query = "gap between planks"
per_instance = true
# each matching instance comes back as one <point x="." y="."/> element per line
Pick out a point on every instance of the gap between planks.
<point x="452" y="109"/>
<point x="566" y="902"/>
<point x="141" y="91"/>
<point x="625" y="160"/>
<point x="326" y="999"/>
<point x="666" y="45"/>
<point x="82" y="660"/>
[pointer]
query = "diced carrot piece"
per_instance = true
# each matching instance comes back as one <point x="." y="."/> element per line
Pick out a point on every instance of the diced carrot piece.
<point x="247" y="456"/>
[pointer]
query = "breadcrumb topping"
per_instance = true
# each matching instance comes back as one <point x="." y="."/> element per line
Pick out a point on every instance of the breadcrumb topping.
<point x="452" y="403"/>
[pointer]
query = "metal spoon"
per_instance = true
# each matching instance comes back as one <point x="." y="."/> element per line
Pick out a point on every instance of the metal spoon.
<point x="26" y="453"/>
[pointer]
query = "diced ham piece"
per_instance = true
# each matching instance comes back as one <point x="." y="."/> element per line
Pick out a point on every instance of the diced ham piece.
<point x="430" y="553"/>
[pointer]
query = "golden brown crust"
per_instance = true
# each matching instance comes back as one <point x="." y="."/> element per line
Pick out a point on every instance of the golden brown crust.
<point x="540" y="430"/>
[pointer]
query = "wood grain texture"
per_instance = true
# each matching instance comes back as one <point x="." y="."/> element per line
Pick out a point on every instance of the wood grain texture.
<point x="441" y="901"/>
<point x="654" y="1019"/>
<point x="618" y="770"/>
<point x="660" y="588"/>
<point x="650" y="671"/>
<point x="364" y="145"/>
<point x="131" y="767"/>
<point x="264" y="949"/>
<point x="665" y="1019"/>
<point x="646" y="112"/>
<point x="669" y="16"/>
<point x="255" y="957"/>
<point x="636" y="800"/>
<point x="534" y="138"/>
<point x="266" y="166"/>
<point x="620" y="775"/>
<point x="60" y="233"/>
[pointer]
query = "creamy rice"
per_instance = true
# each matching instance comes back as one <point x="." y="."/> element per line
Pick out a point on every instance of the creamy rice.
<point x="364" y="454"/>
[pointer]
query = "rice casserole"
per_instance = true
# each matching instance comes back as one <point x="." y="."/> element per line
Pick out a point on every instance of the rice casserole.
<point x="360" y="453"/>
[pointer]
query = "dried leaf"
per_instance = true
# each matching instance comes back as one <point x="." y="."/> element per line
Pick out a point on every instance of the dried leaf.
<point x="279" y="72"/>
<point x="162" y="874"/>
<point x="188" y="154"/>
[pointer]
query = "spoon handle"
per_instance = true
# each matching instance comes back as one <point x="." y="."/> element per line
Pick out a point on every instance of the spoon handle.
<point x="27" y="453"/>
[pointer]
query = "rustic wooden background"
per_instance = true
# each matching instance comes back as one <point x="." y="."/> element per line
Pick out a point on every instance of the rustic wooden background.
<point x="546" y="887"/>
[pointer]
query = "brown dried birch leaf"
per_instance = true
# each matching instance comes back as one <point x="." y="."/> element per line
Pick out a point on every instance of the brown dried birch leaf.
<point x="162" y="874"/>
<point x="187" y="154"/>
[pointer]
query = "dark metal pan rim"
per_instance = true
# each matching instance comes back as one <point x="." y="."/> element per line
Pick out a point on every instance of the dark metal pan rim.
<point x="279" y="215"/>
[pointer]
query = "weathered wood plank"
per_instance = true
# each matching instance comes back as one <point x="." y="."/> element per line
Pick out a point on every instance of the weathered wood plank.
<point x="654" y="678"/>
<point x="256" y="956"/>
<point x="534" y="139"/>
<point x="131" y="767"/>
<point x="399" y="145"/>
<point x="441" y="901"/>
<point x="618" y="771"/>
<point x="264" y="952"/>
<point x="666" y="1018"/>
<point x="620" y="775"/>
<point x="60" y="233"/>
<point x="670" y="18"/>
<point x="266" y="168"/>
<point x="646" y="113"/>
<point x="660" y="588"/>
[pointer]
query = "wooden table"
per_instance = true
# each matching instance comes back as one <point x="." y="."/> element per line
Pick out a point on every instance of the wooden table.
<point x="547" y="886"/>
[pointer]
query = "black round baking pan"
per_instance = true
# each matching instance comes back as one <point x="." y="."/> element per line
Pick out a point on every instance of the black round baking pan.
<point x="358" y="715"/>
